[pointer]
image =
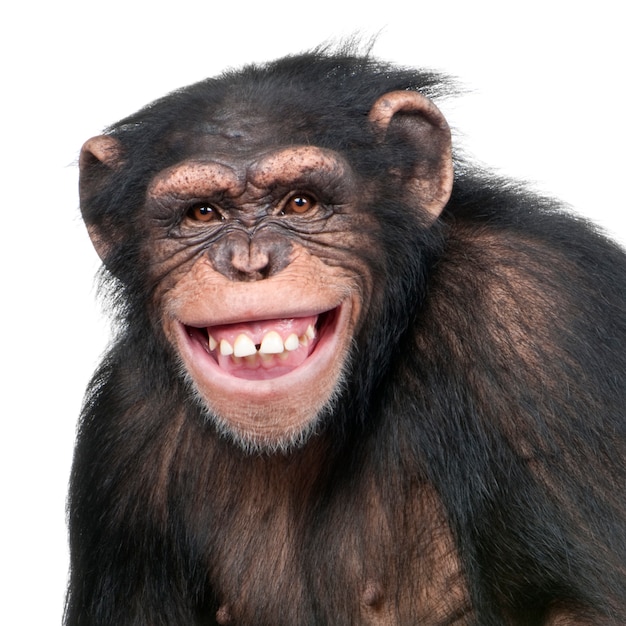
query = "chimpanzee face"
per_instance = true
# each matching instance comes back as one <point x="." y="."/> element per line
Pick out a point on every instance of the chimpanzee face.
<point x="262" y="260"/>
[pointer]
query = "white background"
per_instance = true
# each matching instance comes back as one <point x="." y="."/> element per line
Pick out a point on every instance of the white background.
<point x="547" y="104"/>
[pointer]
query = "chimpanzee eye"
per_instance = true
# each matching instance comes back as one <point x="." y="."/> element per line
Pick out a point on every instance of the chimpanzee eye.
<point x="298" y="204"/>
<point x="204" y="213"/>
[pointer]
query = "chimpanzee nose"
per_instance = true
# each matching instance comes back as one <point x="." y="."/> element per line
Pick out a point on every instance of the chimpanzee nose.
<point x="250" y="262"/>
<point x="247" y="257"/>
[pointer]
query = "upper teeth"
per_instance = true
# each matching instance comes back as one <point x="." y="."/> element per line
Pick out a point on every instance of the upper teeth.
<point x="292" y="342"/>
<point x="272" y="343"/>
<point x="225" y="348"/>
<point x="212" y="343"/>
<point x="243" y="346"/>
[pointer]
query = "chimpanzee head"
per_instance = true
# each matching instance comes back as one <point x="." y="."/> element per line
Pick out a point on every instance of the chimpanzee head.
<point x="270" y="227"/>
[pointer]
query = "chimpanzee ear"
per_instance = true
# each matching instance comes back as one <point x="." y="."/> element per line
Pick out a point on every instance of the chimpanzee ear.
<point x="416" y="119"/>
<point x="99" y="158"/>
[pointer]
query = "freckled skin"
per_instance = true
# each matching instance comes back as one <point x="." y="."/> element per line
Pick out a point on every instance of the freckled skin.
<point x="197" y="179"/>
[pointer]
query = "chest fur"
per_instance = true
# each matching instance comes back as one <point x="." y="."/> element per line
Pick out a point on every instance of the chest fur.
<point x="359" y="554"/>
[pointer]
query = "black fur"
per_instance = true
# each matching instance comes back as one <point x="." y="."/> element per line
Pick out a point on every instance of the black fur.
<point x="490" y="371"/>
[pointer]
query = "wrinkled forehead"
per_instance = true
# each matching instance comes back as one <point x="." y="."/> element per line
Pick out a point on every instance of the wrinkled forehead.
<point x="287" y="166"/>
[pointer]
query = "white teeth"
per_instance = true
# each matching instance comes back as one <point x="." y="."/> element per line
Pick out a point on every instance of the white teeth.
<point x="225" y="348"/>
<point x="244" y="346"/>
<point x="212" y="343"/>
<point x="272" y="343"/>
<point x="292" y="342"/>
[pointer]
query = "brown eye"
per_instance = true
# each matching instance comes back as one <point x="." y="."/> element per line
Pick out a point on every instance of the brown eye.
<point x="299" y="203"/>
<point x="203" y="213"/>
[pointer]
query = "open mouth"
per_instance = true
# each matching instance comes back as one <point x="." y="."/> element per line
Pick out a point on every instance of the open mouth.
<point x="264" y="349"/>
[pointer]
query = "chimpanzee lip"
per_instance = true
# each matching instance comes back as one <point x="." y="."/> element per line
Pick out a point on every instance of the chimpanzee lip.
<point x="263" y="372"/>
<point x="262" y="349"/>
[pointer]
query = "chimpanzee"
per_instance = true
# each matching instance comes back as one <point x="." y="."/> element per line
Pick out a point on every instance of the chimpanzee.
<point x="342" y="389"/>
